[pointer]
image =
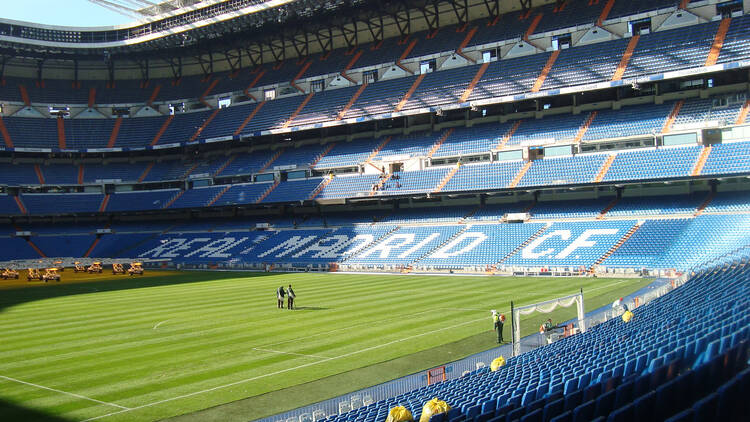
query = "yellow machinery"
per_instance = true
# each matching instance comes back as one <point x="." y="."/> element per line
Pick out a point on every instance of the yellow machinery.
<point x="136" y="268"/>
<point x="9" y="273"/>
<point x="34" y="274"/>
<point x="95" y="267"/>
<point x="117" y="268"/>
<point x="51" y="274"/>
<point x="79" y="268"/>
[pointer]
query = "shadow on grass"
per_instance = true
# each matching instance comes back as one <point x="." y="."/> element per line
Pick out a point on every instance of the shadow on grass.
<point x="13" y="412"/>
<point x="38" y="291"/>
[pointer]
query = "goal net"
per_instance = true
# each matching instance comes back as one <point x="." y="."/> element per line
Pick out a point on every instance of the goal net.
<point x="545" y="308"/>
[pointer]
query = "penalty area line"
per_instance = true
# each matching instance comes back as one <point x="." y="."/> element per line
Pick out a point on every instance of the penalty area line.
<point x="124" y="409"/>
<point x="289" y="353"/>
<point x="242" y="381"/>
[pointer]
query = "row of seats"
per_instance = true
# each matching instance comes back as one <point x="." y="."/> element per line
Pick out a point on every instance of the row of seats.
<point x="447" y="39"/>
<point x="442" y="244"/>
<point x="579" y="65"/>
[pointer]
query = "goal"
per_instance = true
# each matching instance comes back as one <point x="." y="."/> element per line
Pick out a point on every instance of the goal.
<point x="545" y="308"/>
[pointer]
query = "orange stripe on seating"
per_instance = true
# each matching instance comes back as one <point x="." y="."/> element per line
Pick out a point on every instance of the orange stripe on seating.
<point x="145" y="172"/>
<point x="743" y="113"/>
<point x="545" y="71"/>
<point x="115" y="131"/>
<point x="533" y="26"/>
<point x="6" y="134"/>
<point x="24" y="95"/>
<point x="219" y="195"/>
<point x="684" y="4"/>
<point x="154" y="93"/>
<point x="298" y="110"/>
<point x="248" y="118"/>
<point x="92" y="96"/>
<point x="350" y="65"/>
<point x="204" y="125"/>
<point x="474" y="81"/>
<point x="162" y="129"/>
<point x="91" y="248"/>
<point x="34" y="247"/>
<point x="39" y="174"/>
<point x="299" y="75"/>
<point x="80" y="174"/>
<point x="605" y="12"/>
<point x="672" y="116"/>
<point x="20" y="205"/>
<point x="254" y="81"/>
<point x="509" y="135"/>
<point x="60" y="133"/>
<point x="721" y="33"/>
<point x="211" y="86"/>
<point x="626" y="58"/>
<point x="105" y="201"/>
<point x="406" y="53"/>
<point x="172" y="201"/>
<point x="349" y="105"/>
<point x="411" y="90"/>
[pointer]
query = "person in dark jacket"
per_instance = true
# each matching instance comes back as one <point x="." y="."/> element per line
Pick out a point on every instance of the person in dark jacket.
<point x="498" y="325"/>
<point x="290" y="297"/>
<point x="280" y="297"/>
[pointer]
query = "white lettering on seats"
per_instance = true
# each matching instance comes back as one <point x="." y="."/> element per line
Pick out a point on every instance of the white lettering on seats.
<point x="396" y="241"/>
<point x="323" y="245"/>
<point x="172" y="253"/>
<point x="477" y="239"/>
<point x="216" y="248"/>
<point x="529" y="253"/>
<point x="366" y="240"/>
<point x="163" y="247"/>
<point x="419" y="245"/>
<point x="583" y="242"/>
<point x="291" y="244"/>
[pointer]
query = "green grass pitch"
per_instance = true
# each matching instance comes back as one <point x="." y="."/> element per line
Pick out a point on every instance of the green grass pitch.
<point x="213" y="346"/>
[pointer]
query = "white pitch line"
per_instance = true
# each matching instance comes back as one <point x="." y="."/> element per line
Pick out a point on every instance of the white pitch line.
<point x="304" y="365"/>
<point x="289" y="353"/>
<point x="64" y="392"/>
<point x="157" y="325"/>
<point x="232" y="384"/>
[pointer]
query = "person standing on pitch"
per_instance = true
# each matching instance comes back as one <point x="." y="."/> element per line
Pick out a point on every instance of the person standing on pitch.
<point x="280" y="297"/>
<point x="498" y="323"/>
<point x="290" y="297"/>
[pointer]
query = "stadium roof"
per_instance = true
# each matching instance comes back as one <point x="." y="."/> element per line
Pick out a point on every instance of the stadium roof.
<point x="256" y="29"/>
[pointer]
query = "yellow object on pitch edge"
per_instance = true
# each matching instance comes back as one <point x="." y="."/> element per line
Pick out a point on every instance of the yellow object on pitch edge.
<point x="399" y="414"/>
<point x="627" y="316"/>
<point x="497" y="363"/>
<point x="433" y="407"/>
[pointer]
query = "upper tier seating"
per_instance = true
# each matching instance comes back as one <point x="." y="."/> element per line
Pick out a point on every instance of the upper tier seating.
<point x="656" y="52"/>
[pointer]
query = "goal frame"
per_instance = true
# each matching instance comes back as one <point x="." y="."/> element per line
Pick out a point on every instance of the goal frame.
<point x="544" y="307"/>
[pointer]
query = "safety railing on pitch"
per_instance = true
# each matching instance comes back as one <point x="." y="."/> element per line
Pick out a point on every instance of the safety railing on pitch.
<point x="456" y="369"/>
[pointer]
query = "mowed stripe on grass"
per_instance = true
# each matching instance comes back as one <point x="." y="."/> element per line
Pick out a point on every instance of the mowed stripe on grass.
<point x="221" y="334"/>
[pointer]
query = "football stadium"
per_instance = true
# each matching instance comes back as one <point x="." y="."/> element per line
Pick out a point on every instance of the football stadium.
<point x="377" y="210"/>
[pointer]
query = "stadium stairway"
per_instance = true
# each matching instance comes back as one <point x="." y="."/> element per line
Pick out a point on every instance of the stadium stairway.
<point x="623" y="65"/>
<point x="616" y="246"/>
<point x="115" y="131"/>
<point x="6" y="136"/>
<point x="672" y="116"/>
<point x="605" y="168"/>
<point x="205" y="124"/>
<point x="520" y="174"/>
<point x="701" y="161"/>
<point x="162" y="129"/>
<point x="267" y="192"/>
<point x="249" y="117"/>
<point x="721" y="33"/>
<point x="740" y="118"/>
<point x="509" y="134"/>
<point x="609" y="206"/>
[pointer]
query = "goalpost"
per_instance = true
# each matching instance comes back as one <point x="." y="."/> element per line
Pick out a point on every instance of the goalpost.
<point x="544" y="307"/>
